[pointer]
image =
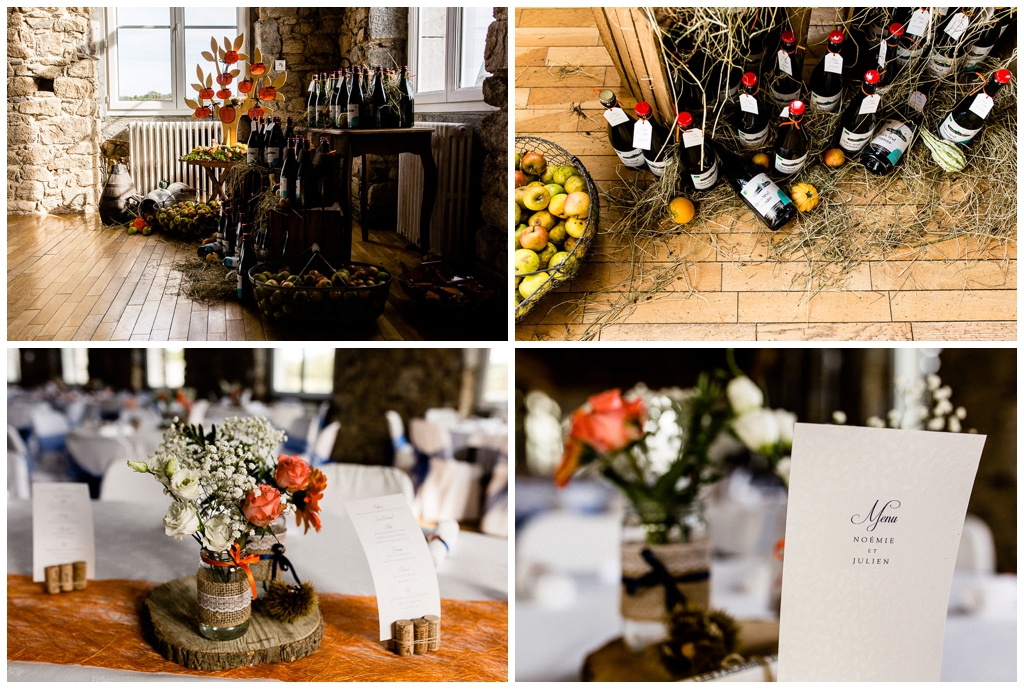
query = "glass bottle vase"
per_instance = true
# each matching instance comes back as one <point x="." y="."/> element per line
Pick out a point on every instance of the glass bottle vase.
<point x="224" y="597"/>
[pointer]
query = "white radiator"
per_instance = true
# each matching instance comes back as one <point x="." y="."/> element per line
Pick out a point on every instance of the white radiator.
<point x="450" y="234"/>
<point x="156" y="147"/>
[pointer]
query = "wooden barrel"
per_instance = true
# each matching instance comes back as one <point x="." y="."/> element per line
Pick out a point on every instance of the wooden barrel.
<point x="118" y="190"/>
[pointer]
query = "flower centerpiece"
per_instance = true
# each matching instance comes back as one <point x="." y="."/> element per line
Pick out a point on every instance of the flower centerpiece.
<point x="227" y="495"/>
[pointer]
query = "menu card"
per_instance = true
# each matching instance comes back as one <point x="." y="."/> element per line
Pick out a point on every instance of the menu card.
<point x="872" y="532"/>
<point x="61" y="527"/>
<point x="403" y="572"/>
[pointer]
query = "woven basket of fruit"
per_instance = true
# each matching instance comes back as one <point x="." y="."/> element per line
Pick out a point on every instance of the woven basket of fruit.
<point x="556" y="217"/>
<point x="437" y="286"/>
<point x="354" y="293"/>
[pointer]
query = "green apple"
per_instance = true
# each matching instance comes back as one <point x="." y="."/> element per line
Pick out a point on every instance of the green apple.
<point x="564" y="172"/>
<point x="544" y="218"/>
<point x="531" y="283"/>
<point x="564" y="261"/>
<point x="554" y="189"/>
<point x="574" y="183"/>
<point x="557" y="234"/>
<point x="575" y="227"/>
<point x="546" y="254"/>
<point x="549" y="174"/>
<point x="536" y="198"/>
<point x="526" y="261"/>
<point x="519" y="214"/>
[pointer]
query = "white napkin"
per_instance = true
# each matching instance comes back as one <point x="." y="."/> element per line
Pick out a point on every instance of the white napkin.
<point x="447" y="532"/>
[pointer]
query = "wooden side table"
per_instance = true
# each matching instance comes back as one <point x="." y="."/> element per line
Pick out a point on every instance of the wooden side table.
<point x="214" y="172"/>
<point x="384" y="142"/>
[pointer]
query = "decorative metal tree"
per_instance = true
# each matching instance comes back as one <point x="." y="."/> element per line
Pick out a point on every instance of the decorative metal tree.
<point x="257" y="86"/>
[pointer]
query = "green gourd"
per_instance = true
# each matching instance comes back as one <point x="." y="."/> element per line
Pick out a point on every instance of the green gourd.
<point x="947" y="154"/>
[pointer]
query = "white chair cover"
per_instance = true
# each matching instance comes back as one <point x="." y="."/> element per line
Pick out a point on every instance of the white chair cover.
<point x="405" y="456"/>
<point x="324" y="445"/>
<point x="14" y="441"/>
<point x="443" y="416"/>
<point x="431" y="439"/>
<point x="284" y="413"/>
<point x="570" y="543"/>
<point x="94" y="452"/>
<point x="198" y="413"/>
<point x="18" y="485"/>
<point x="76" y="411"/>
<point x="357" y="481"/>
<point x="495" y="519"/>
<point x="977" y="551"/>
<point x="451" y="490"/>
<point x="121" y="483"/>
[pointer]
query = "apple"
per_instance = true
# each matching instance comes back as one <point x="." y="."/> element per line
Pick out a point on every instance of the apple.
<point x="202" y="113"/>
<point x="543" y="218"/>
<point x="574" y="183"/>
<point x="535" y="183"/>
<point x="535" y="237"/>
<point x="258" y="69"/>
<point x="571" y="243"/>
<point x="546" y="253"/>
<point x="519" y="232"/>
<point x="557" y="234"/>
<point x="231" y="57"/>
<point x="244" y="86"/>
<point x="224" y="93"/>
<point x="521" y="179"/>
<point x="255" y="113"/>
<point x="575" y="228"/>
<point x="224" y="78"/>
<point x="564" y="261"/>
<point x="526" y="261"/>
<point x="519" y="160"/>
<point x="519" y="214"/>
<point x="564" y="172"/>
<point x="549" y="175"/>
<point x="557" y="205"/>
<point x="536" y="198"/>
<point x="267" y="93"/>
<point x="578" y="204"/>
<point x="520" y="193"/>
<point x="531" y="283"/>
<point x="533" y="164"/>
<point x="554" y="189"/>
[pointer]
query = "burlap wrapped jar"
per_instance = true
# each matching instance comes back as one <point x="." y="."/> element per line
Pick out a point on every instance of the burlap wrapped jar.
<point x="262" y="546"/>
<point x="224" y="598"/>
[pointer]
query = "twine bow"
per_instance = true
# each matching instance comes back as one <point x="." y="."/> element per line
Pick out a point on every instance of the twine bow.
<point x="660" y="576"/>
<point x="278" y="559"/>
<point x="235" y="551"/>
<point x="795" y="123"/>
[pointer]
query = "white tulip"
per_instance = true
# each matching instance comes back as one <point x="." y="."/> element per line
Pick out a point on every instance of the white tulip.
<point x="217" y="533"/>
<point x="782" y="469"/>
<point x="787" y="420"/>
<point x="181" y="520"/>
<point x="758" y="430"/>
<point x="744" y="395"/>
<point x="185" y="484"/>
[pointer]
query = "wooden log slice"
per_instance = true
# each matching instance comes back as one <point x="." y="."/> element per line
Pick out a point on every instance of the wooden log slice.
<point x="174" y="632"/>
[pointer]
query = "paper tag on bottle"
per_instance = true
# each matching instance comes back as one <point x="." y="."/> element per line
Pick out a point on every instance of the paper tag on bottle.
<point x="785" y="63"/>
<point x="312" y="85"/>
<point x="748" y="103"/>
<point x="917" y="101"/>
<point x="883" y="49"/>
<point x="919" y="22"/>
<point x="870" y="104"/>
<point x="615" y="116"/>
<point x="957" y="25"/>
<point x="834" y="63"/>
<point x="642" y="134"/>
<point x="693" y="137"/>
<point x="785" y="112"/>
<point x="982" y="105"/>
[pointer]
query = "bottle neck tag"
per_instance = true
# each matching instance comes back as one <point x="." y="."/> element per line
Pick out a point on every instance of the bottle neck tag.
<point x="957" y="25"/>
<point x="615" y="116"/>
<point x="982" y="105"/>
<point x="833" y="63"/>
<point x="642" y="134"/>
<point x="748" y="104"/>
<point x="870" y="104"/>
<point x="919" y="21"/>
<point x="785" y="112"/>
<point x="693" y="137"/>
<point x="312" y="86"/>
<point x="785" y="63"/>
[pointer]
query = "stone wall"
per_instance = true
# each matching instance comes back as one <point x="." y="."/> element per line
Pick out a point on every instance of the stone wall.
<point x="492" y="238"/>
<point x="52" y="111"/>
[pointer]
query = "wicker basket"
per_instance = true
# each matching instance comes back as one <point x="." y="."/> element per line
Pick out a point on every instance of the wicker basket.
<point x="556" y="155"/>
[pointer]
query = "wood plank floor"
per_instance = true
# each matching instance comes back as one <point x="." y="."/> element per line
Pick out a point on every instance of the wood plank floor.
<point x="69" y="278"/>
<point x="720" y="287"/>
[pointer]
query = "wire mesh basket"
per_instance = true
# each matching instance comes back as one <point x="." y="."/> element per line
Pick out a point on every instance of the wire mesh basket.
<point x="556" y="155"/>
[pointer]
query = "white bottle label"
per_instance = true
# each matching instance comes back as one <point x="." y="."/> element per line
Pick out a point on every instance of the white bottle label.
<point x="633" y="159"/>
<point x="918" y="24"/>
<point x="748" y="140"/>
<point x="852" y="143"/>
<point x="657" y="168"/>
<point x="642" y="134"/>
<point x="982" y="105"/>
<point x="957" y="25"/>
<point x="273" y="153"/>
<point x="977" y="54"/>
<point x="785" y="63"/>
<point x="748" y="103"/>
<point x="693" y="137"/>
<point x="951" y="131"/>
<point x="833" y="63"/>
<point x="353" y="116"/>
<point x="285" y="191"/>
<point x="764" y="195"/>
<point x="917" y="101"/>
<point x="894" y="137"/>
<point x="615" y="116"/>
<point x="939" y="65"/>
<point x="789" y="167"/>
<point x="826" y="103"/>
<point x="870" y="104"/>
<point x="252" y="155"/>
<point x="298" y="190"/>
<point x="784" y="99"/>
<point x="706" y="179"/>
<point x="904" y="53"/>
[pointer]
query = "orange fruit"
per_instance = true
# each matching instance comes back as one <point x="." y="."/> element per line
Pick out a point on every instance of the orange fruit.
<point x="761" y="160"/>
<point x="682" y="210"/>
<point x="834" y="157"/>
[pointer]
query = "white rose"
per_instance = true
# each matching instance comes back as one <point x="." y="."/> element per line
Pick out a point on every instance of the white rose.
<point x="744" y="395"/>
<point x="875" y="422"/>
<point x="217" y="533"/>
<point x="758" y="430"/>
<point x="782" y="469"/>
<point x="185" y="484"/>
<point x="181" y="520"/>
<point x="787" y="420"/>
<point x="839" y="417"/>
<point x="936" y="424"/>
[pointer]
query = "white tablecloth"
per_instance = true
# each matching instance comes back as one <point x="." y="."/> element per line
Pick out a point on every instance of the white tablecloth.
<point x="130" y="544"/>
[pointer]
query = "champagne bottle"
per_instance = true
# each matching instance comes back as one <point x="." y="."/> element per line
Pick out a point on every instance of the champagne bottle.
<point x="916" y="31"/>
<point x="355" y="102"/>
<point x="791" y="143"/>
<point x="246" y="260"/>
<point x="407" y="100"/>
<point x="894" y="137"/>
<point x="827" y="78"/>
<point x="275" y="142"/>
<point x="620" y="131"/>
<point x="696" y="156"/>
<point x="752" y="124"/>
<point x="288" y="171"/>
<point x="788" y="84"/>
<point x="948" y="48"/>
<point x="859" y="119"/>
<point x="650" y="138"/>
<point x="888" y="66"/>
<point x="968" y="117"/>
<point x="769" y="203"/>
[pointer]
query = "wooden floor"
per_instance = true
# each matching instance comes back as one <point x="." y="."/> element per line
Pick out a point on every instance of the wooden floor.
<point x="69" y="278"/>
<point x="725" y="290"/>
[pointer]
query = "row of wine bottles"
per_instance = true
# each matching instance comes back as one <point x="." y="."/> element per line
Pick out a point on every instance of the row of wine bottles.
<point x="267" y="140"/>
<point x="235" y="242"/>
<point x="361" y="98"/>
<point x="308" y="176"/>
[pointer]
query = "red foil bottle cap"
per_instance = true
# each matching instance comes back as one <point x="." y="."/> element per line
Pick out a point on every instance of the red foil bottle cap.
<point x="796" y="108"/>
<point x="788" y="36"/>
<point x="871" y="77"/>
<point x="684" y="119"/>
<point x="643" y="109"/>
<point x="1002" y="76"/>
<point x="749" y="79"/>
<point x="896" y="29"/>
<point x="835" y="37"/>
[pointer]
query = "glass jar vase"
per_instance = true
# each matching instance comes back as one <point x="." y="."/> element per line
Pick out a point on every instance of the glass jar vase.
<point x="678" y="540"/>
<point x="224" y="597"/>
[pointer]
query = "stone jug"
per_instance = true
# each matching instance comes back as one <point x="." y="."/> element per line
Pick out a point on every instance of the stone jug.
<point x="118" y="190"/>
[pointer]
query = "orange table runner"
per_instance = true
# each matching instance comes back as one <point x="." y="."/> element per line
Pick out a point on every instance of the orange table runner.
<point x="101" y="627"/>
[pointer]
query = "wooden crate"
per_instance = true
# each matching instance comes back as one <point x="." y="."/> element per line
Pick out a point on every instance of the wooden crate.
<point x="292" y="232"/>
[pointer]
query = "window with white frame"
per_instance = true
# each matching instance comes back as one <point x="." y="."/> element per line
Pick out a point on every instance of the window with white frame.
<point x="152" y="53"/>
<point x="165" y="368"/>
<point x="308" y="370"/>
<point x="14" y="365"/>
<point x="74" y="366"/>
<point x="446" y="53"/>
<point x="495" y="389"/>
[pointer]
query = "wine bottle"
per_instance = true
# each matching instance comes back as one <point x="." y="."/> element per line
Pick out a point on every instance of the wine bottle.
<point x="246" y="260"/>
<point x="254" y="146"/>
<point x="355" y="101"/>
<point x="968" y="117"/>
<point x="696" y="156"/>
<point x="305" y="180"/>
<point x="288" y="171"/>
<point x="326" y="107"/>
<point x="791" y="143"/>
<point x="827" y="78"/>
<point x="752" y="124"/>
<point x="787" y="84"/>
<point x="322" y="169"/>
<point x="894" y="137"/>
<point x="289" y="129"/>
<point x="339" y="103"/>
<point x="859" y="119"/>
<point x="986" y="41"/>
<point x="407" y="100"/>
<point x="949" y="38"/>
<point x="888" y="66"/>
<point x="381" y="109"/>
<point x="650" y="138"/>
<point x="620" y="131"/>
<point x="879" y="19"/>
<point x="275" y="142"/>
<point x="757" y="32"/>
<point x="916" y="32"/>
<point x="769" y="203"/>
<point x="311" y="101"/>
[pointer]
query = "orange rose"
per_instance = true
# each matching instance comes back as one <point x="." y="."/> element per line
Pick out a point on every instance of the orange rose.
<point x="262" y="506"/>
<point x="605" y="425"/>
<point x="292" y="473"/>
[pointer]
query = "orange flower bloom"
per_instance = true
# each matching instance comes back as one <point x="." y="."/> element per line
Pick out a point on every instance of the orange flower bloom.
<point x="606" y="424"/>
<point x="307" y="502"/>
